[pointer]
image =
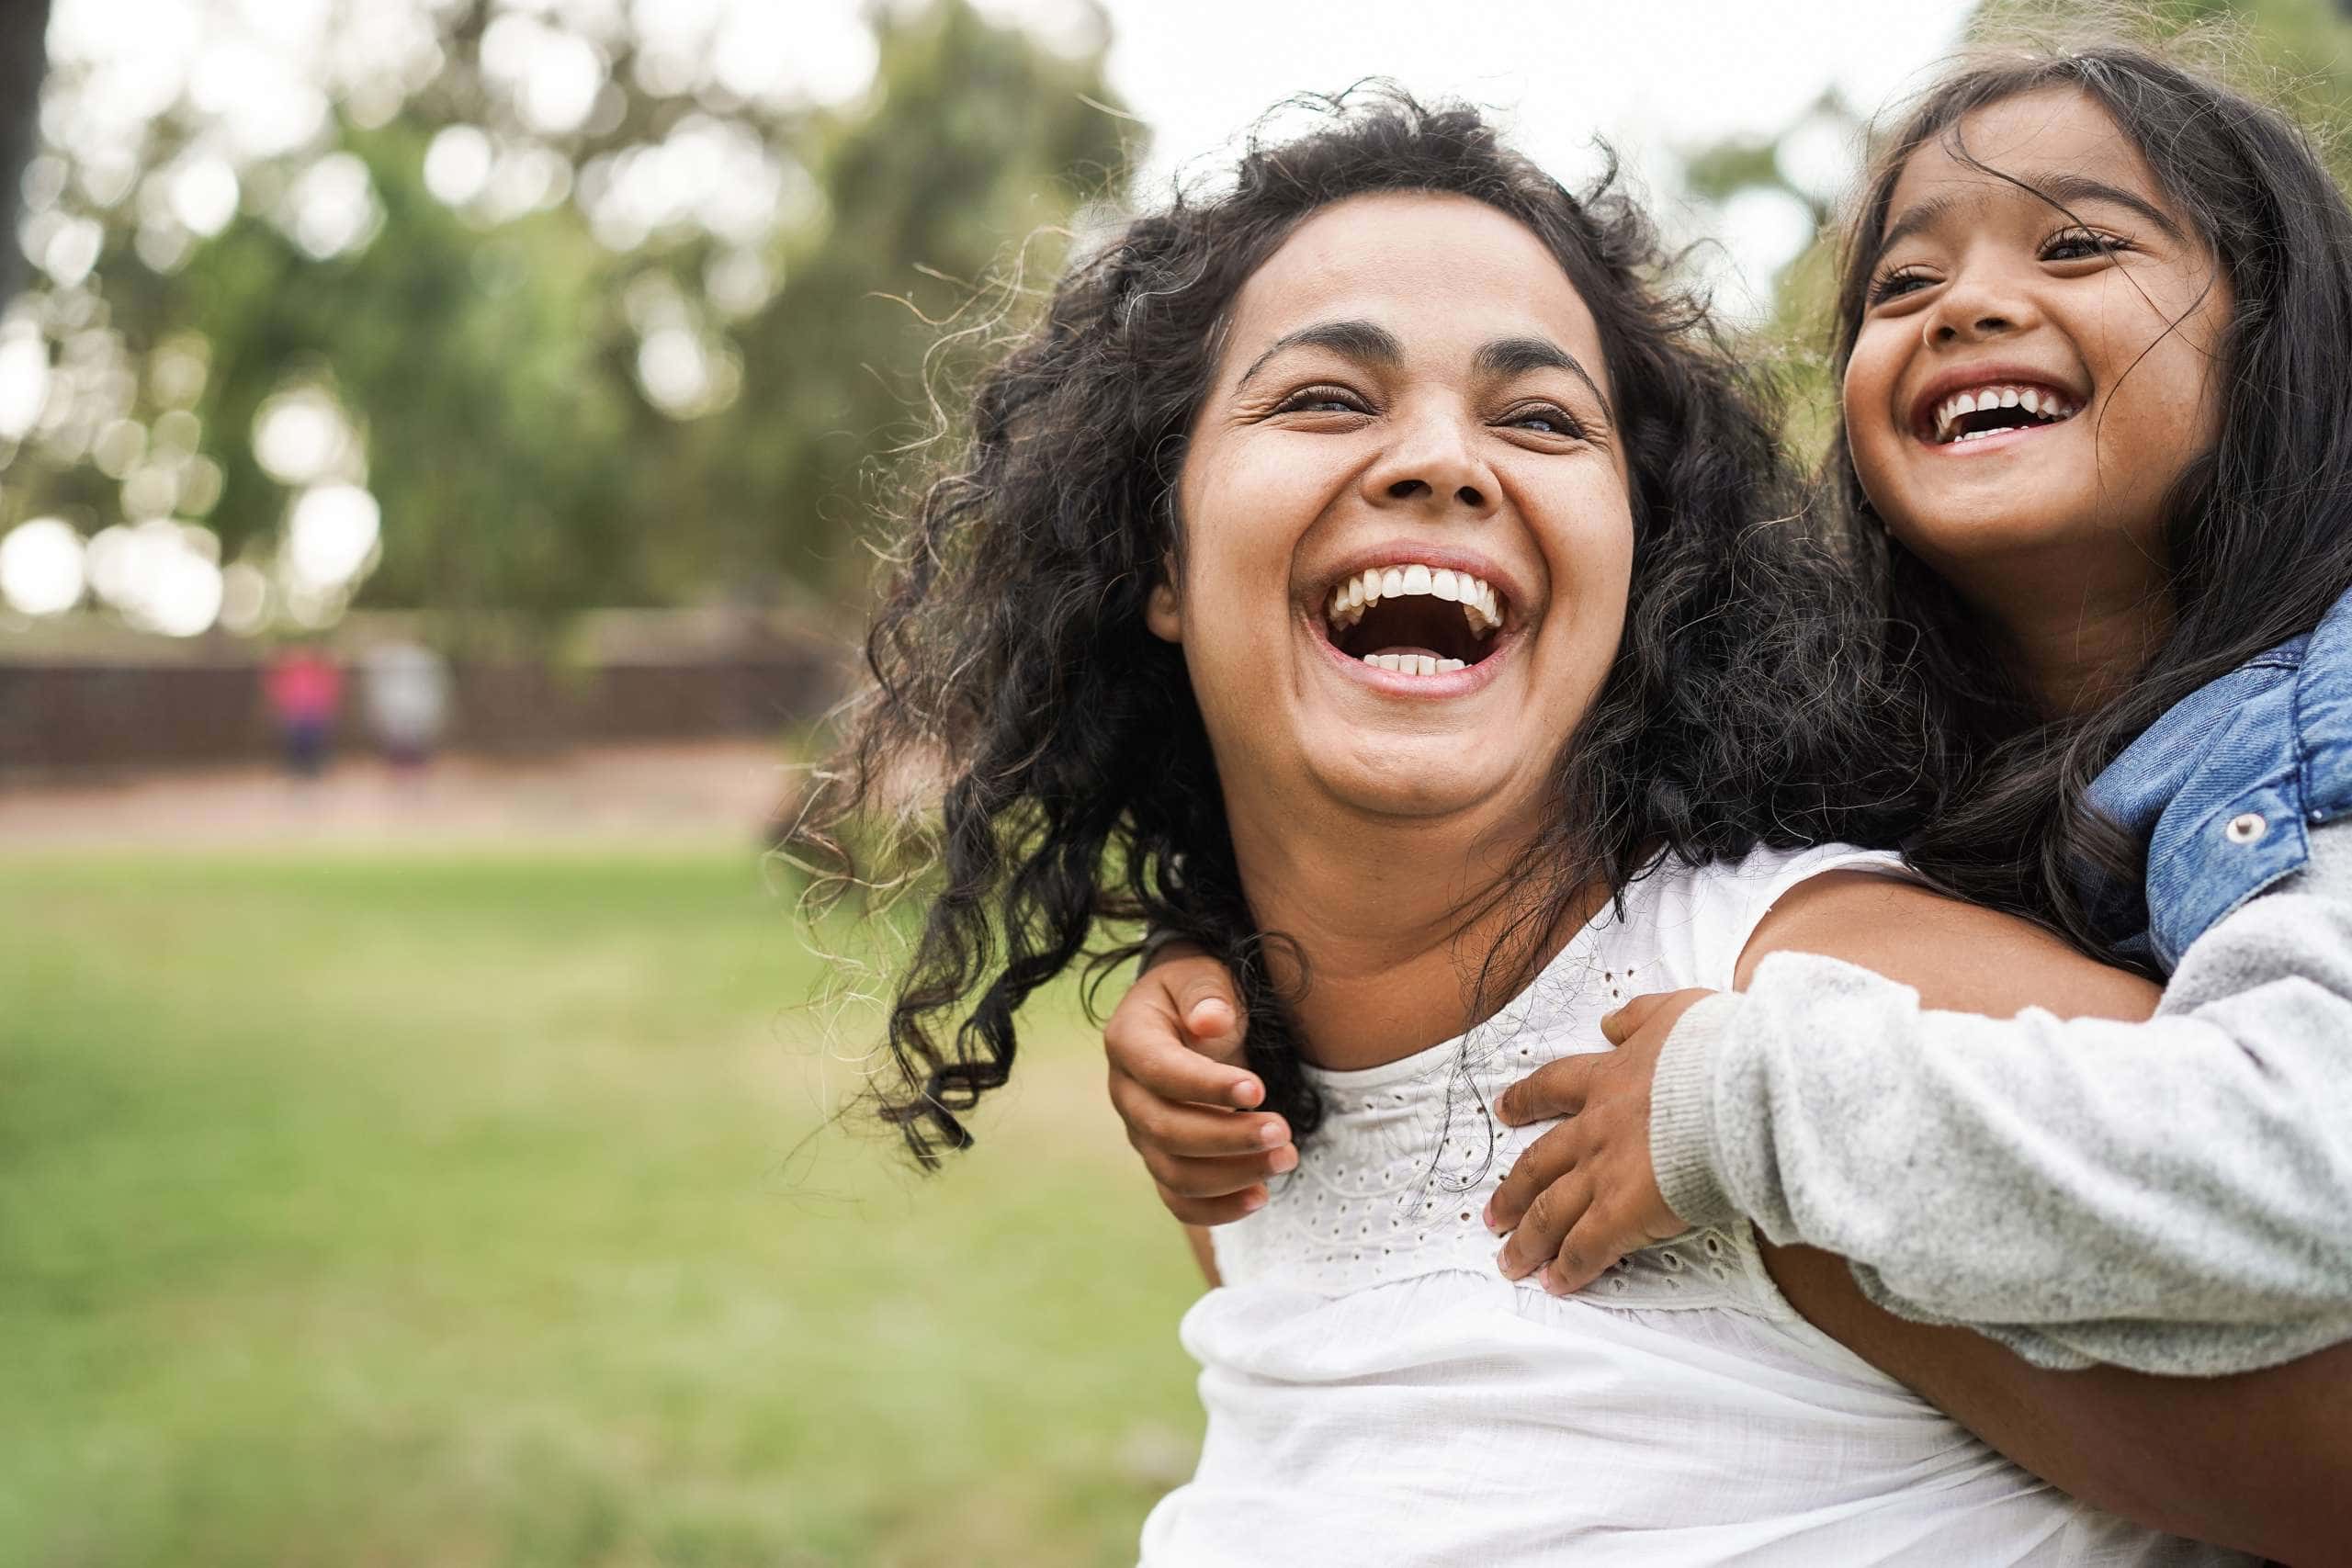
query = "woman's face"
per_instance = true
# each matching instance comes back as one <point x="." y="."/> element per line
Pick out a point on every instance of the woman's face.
<point x="2027" y="384"/>
<point x="1406" y="533"/>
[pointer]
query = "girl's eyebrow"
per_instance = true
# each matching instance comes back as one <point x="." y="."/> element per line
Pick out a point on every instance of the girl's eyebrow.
<point x="2061" y="191"/>
<point x="2068" y="190"/>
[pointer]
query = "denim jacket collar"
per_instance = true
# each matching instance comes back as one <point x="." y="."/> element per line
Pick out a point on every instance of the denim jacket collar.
<point x="2225" y="786"/>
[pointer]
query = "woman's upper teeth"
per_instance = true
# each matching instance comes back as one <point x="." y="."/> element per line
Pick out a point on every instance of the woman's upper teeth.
<point x="2046" y="404"/>
<point x="1479" y="604"/>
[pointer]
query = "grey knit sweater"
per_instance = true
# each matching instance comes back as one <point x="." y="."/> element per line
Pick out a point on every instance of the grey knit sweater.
<point x="2174" y="1196"/>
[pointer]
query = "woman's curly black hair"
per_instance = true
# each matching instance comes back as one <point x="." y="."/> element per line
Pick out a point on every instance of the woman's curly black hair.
<point x="1017" y="689"/>
<point x="2258" y="528"/>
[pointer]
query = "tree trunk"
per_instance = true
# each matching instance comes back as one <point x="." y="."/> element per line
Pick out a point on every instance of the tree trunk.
<point x="24" y="60"/>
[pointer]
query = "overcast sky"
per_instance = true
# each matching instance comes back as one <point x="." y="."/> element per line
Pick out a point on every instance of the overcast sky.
<point x="1652" y="76"/>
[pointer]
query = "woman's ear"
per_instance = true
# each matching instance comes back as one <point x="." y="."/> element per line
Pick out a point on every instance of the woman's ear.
<point x="1164" y="611"/>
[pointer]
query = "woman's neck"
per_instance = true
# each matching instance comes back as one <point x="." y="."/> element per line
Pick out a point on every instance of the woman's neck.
<point x="1390" y="923"/>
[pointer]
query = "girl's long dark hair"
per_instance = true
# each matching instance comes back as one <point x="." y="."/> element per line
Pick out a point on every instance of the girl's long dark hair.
<point x="1017" y="693"/>
<point x="2259" y="528"/>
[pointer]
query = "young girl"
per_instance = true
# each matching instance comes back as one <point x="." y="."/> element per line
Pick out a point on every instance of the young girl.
<point x="1367" y="557"/>
<point x="2099" y="430"/>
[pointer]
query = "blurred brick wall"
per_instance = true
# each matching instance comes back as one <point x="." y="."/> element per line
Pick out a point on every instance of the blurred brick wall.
<point x="61" y="717"/>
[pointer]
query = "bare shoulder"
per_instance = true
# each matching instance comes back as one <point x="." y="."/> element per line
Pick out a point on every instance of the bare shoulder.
<point x="1958" y="956"/>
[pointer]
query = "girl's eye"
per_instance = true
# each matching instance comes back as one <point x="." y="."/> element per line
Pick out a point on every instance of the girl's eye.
<point x="1322" y="400"/>
<point x="1545" y="418"/>
<point x="2081" y="244"/>
<point x="1897" y="282"/>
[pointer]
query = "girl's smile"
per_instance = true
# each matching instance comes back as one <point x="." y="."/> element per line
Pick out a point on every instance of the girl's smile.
<point x="2034" y="365"/>
<point x="1972" y="404"/>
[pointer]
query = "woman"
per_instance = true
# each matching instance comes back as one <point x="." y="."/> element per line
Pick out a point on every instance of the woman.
<point x="1182" y="633"/>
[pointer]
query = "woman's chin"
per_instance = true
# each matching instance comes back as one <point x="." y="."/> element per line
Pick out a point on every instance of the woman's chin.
<point x="1419" y="777"/>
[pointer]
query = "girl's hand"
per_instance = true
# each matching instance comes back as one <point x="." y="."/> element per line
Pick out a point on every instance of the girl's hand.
<point x="1174" y="1045"/>
<point x="1583" y="1195"/>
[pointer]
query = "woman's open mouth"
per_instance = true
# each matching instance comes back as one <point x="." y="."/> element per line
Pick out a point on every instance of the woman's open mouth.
<point x="1414" y="620"/>
<point x="1998" y="408"/>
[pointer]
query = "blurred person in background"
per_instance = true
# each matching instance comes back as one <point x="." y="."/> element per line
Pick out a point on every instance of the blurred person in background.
<point x="303" y="686"/>
<point x="405" y="688"/>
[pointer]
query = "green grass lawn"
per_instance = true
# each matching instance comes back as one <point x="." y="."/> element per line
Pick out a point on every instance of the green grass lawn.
<point x="462" y="1210"/>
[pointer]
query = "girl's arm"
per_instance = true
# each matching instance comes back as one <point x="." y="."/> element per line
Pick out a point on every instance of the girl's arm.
<point x="1174" y="1049"/>
<point x="2174" y="1196"/>
<point x="2261" y="1460"/>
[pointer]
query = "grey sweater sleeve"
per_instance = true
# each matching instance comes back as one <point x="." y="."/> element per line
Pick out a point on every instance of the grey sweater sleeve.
<point x="2174" y="1196"/>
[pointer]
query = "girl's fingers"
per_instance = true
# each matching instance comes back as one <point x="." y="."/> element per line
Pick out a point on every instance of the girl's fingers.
<point x="1629" y="1020"/>
<point x="1211" y="1012"/>
<point x="1147" y="1043"/>
<point x="1555" y="1088"/>
<point x="1544" y="1162"/>
<point x="1549" y="1219"/>
<point x="1214" y="1211"/>
<point x="1215" y="1177"/>
<point x="1594" y="1243"/>
<point x="1192" y="1131"/>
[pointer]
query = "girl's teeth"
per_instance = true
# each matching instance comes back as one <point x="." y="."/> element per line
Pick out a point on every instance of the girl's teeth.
<point x="2047" y="407"/>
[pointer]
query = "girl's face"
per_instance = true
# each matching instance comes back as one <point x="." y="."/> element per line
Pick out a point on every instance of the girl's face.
<point x="1407" y="532"/>
<point x="2026" y="384"/>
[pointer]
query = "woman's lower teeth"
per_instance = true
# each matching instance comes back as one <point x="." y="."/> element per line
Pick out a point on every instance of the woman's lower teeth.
<point x="1414" y="663"/>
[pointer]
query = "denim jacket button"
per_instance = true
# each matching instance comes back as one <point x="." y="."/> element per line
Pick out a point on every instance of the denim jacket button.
<point x="2246" y="828"/>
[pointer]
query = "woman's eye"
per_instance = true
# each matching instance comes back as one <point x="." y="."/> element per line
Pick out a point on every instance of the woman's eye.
<point x="1545" y="420"/>
<point x="1896" y="284"/>
<point x="2080" y="244"/>
<point x="1321" y="400"/>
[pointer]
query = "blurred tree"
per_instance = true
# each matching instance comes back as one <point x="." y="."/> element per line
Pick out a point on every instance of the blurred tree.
<point x="955" y="186"/>
<point x="547" y="308"/>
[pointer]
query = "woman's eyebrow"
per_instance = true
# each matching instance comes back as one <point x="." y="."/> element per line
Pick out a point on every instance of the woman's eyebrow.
<point x="1508" y="356"/>
<point x="1367" y="343"/>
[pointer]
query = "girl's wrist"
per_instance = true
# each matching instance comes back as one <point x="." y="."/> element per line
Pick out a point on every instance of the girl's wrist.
<point x="1682" y="1141"/>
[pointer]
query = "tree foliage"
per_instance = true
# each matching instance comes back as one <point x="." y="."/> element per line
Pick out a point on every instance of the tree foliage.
<point x="555" y="408"/>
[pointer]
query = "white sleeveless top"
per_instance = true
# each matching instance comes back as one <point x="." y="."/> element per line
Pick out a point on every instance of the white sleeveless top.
<point x="1378" y="1393"/>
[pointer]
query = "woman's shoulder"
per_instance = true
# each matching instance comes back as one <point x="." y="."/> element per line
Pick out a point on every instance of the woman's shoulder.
<point x="1757" y="879"/>
<point x="1710" y="909"/>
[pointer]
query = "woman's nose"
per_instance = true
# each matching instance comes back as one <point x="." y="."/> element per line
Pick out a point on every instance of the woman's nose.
<point x="1433" y="462"/>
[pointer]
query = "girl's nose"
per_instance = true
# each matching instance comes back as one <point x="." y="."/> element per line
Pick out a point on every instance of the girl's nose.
<point x="1978" y="306"/>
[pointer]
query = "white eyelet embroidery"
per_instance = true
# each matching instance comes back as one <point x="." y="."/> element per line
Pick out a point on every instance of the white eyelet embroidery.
<point x="1429" y="1150"/>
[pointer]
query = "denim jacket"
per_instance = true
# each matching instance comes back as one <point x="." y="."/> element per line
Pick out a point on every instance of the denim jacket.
<point x="2225" y="786"/>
